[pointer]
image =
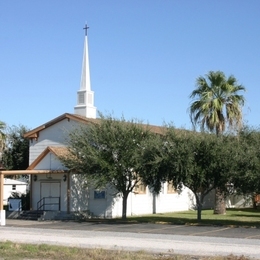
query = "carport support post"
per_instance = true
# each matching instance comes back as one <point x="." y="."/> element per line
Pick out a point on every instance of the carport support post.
<point x="2" y="211"/>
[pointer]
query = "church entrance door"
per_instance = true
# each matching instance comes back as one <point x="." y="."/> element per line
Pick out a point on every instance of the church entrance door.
<point x="50" y="195"/>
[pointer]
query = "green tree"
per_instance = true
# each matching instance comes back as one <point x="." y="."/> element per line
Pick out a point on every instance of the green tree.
<point x="2" y="137"/>
<point x="216" y="106"/>
<point x="247" y="178"/>
<point x="188" y="159"/>
<point x="16" y="153"/>
<point x="108" y="153"/>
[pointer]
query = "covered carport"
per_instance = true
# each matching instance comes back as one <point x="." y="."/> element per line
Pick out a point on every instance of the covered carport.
<point x="16" y="172"/>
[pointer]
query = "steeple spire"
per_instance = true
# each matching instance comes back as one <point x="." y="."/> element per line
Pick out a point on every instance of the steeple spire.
<point x="85" y="102"/>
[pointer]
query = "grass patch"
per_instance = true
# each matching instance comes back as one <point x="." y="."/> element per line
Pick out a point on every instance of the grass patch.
<point x="14" y="251"/>
<point x="246" y="217"/>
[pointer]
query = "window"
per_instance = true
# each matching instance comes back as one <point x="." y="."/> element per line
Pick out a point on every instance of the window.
<point x="90" y="98"/>
<point x="13" y="187"/>
<point x="99" y="194"/>
<point x="170" y="187"/>
<point x="81" y="98"/>
<point x="140" y="188"/>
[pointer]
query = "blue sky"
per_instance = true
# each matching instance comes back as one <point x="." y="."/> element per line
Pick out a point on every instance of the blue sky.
<point x="145" y="56"/>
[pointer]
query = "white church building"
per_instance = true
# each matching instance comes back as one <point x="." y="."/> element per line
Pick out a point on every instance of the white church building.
<point x="60" y="191"/>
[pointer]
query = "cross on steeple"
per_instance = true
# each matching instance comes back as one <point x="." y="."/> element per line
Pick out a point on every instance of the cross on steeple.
<point x="86" y="29"/>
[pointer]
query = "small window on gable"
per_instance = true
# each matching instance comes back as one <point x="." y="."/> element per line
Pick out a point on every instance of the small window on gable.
<point x="99" y="194"/>
<point x="13" y="187"/>
<point x="140" y="188"/>
<point x="170" y="187"/>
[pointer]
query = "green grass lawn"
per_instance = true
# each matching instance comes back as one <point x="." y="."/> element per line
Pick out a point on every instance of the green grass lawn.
<point x="236" y="217"/>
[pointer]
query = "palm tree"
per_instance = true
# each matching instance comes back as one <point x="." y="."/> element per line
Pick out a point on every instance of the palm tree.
<point x="217" y="106"/>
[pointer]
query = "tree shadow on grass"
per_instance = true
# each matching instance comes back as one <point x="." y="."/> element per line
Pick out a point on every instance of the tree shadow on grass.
<point x="214" y="220"/>
<point x="188" y="218"/>
<point x="188" y="221"/>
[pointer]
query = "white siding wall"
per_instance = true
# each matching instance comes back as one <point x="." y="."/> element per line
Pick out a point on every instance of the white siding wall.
<point x="79" y="193"/>
<point x="101" y="207"/>
<point x="140" y="204"/>
<point x="50" y="162"/>
<point x="54" y="135"/>
<point x="82" y="197"/>
<point x="171" y="202"/>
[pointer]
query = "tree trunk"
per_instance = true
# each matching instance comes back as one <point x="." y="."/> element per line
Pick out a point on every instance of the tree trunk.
<point x="199" y="206"/>
<point x="199" y="213"/>
<point x="124" y="206"/>
<point x="154" y="203"/>
<point x="220" y="204"/>
<point x="254" y="201"/>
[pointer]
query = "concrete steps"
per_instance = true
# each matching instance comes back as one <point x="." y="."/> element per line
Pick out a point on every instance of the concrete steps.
<point x="42" y="215"/>
<point x="30" y="214"/>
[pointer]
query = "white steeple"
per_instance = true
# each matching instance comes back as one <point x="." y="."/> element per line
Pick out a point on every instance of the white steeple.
<point x="85" y="97"/>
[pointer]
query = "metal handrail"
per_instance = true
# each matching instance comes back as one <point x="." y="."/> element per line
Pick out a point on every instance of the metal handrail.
<point x="41" y="205"/>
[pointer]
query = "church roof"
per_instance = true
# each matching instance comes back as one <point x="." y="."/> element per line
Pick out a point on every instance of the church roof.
<point x="81" y="119"/>
<point x="34" y="133"/>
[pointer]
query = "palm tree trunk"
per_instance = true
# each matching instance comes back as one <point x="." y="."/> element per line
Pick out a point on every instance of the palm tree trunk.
<point x="220" y="204"/>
